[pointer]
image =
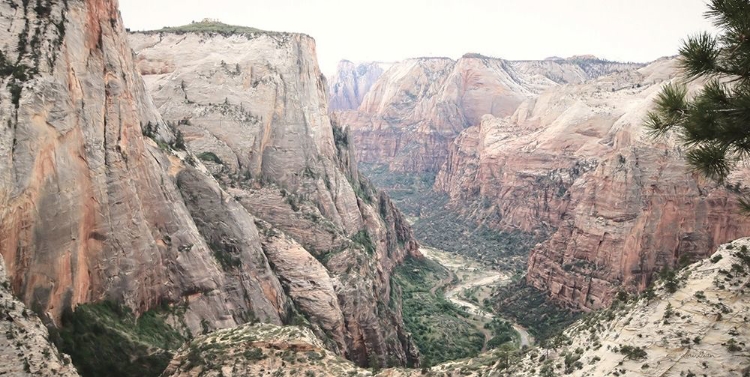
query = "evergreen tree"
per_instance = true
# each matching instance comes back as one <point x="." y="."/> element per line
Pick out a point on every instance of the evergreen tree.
<point x="714" y="125"/>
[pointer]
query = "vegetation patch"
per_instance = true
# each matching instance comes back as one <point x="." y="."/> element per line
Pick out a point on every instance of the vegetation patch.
<point x="532" y="309"/>
<point x="363" y="238"/>
<point x="210" y="27"/>
<point x="442" y="228"/>
<point x="211" y="157"/>
<point x="105" y="339"/>
<point x="440" y="329"/>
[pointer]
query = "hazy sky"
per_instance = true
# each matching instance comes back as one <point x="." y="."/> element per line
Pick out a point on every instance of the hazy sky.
<point x="390" y="30"/>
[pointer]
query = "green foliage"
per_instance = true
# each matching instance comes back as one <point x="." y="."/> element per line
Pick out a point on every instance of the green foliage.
<point x="633" y="353"/>
<point x="439" y="328"/>
<point x="209" y="28"/>
<point x="712" y="124"/>
<point x="179" y="140"/>
<point x="226" y="254"/>
<point x="105" y="339"/>
<point x="340" y="137"/>
<point x="442" y="228"/>
<point x="502" y="333"/>
<point x="363" y="238"/>
<point x="532" y="309"/>
<point x="210" y="156"/>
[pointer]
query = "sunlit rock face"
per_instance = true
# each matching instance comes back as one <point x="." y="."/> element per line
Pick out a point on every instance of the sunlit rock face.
<point x="577" y="161"/>
<point x="418" y="106"/>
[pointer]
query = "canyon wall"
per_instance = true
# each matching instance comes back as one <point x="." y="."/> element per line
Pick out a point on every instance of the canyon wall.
<point x="253" y="108"/>
<point x="577" y="162"/>
<point x="418" y="106"/>
<point x="102" y="198"/>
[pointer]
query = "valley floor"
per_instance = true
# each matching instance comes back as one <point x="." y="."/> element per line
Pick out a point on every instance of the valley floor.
<point x="472" y="280"/>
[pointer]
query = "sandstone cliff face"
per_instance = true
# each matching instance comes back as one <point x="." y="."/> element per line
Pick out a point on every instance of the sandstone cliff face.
<point x="253" y="107"/>
<point x="99" y="199"/>
<point x="89" y="208"/>
<point x="25" y="349"/>
<point x="417" y="107"/>
<point x="347" y="88"/>
<point x="577" y="161"/>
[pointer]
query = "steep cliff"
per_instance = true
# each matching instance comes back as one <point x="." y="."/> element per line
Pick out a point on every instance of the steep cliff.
<point x="418" y="106"/>
<point x="100" y="200"/>
<point x="577" y="161"/>
<point x="252" y="106"/>
<point x="347" y="88"/>
<point x="88" y="205"/>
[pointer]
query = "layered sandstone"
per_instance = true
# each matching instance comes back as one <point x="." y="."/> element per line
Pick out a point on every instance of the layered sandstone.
<point x="101" y="198"/>
<point x="418" y="106"/>
<point x="577" y="161"/>
<point x="347" y="88"/>
<point x="89" y="208"/>
<point x="253" y="107"/>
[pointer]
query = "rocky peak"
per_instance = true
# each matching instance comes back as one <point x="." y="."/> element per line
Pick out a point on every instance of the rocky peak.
<point x="105" y="196"/>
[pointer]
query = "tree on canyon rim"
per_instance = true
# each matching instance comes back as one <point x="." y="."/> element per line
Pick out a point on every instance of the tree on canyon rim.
<point x="713" y="124"/>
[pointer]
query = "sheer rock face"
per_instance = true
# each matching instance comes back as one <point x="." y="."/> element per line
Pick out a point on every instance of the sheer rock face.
<point x="347" y="88"/>
<point x="417" y="107"/>
<point x="577" y="161"/>
<point x="253" y="107"/>
<point x="89" y="208"/>
<point x="25" y="349"/>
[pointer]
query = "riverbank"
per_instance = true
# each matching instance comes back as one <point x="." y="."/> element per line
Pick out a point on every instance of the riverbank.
<point x="470" y="276"/>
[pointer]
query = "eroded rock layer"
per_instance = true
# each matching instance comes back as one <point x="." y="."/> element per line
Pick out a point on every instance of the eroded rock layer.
<point x="577" y="161"/>
<point x="417" y="107"/>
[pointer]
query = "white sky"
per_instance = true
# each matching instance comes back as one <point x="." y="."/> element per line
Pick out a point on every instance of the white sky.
<point x="391" y="30"/>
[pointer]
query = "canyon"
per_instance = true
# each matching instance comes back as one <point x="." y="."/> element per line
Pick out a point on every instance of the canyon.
<point x="193" y="198"/>
<point x="697" y="327"/>
<point x="619" y="204"/>
<point x="555" y="149"/>
<point x="418" y="106"/>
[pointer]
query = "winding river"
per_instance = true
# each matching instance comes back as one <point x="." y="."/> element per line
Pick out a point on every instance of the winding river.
<point x="479" y="277"/>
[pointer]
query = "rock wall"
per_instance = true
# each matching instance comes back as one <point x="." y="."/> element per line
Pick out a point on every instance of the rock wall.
<point x="253" y="108"/>
<point x="102" y="198"/>
<point x="412" y="113"/>
<point x="577" y="161"/>
<point x="347" y="88"/>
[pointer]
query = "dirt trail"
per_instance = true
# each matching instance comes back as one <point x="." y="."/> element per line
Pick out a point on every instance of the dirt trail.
<point x="478" y="278"/>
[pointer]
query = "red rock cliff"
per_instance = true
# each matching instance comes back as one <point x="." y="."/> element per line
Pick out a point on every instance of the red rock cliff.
<point x="577" y="161"/>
